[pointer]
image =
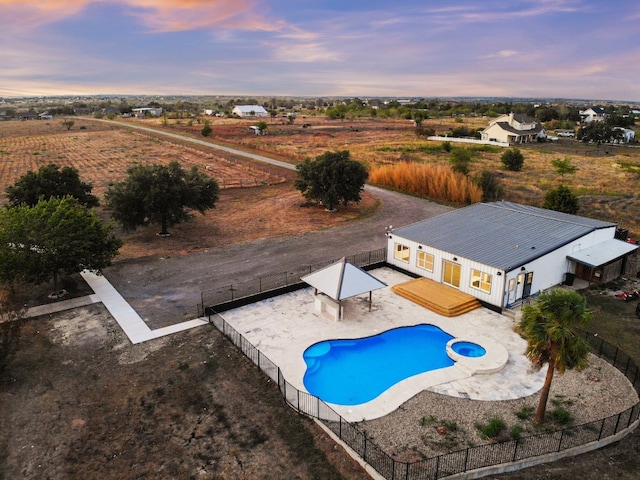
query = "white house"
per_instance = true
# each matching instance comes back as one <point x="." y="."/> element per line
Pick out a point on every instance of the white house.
<point x="593" y="114"/>
<point x="503" y="252"/>
<point x="513" y="128"/>
<point x="249" y="111"/>
<point x="141" y="112"/>
<point x="628" y="135"/>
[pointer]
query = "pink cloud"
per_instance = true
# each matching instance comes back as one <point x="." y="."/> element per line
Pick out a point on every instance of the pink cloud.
<point x="177" y="15"/>
<point x="156" y="15"/>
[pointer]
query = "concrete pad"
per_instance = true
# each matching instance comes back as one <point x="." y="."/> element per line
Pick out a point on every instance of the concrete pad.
<point x="283" y="327"/>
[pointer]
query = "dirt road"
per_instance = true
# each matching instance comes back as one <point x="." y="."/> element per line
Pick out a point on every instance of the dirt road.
<point x="167" y="291"/>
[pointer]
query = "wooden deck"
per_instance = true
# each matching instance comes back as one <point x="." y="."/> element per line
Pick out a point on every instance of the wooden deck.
<point x="439" y="298"/>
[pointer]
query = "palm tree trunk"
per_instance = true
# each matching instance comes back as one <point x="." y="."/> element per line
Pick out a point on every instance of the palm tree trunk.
<point x="544" y="393"/>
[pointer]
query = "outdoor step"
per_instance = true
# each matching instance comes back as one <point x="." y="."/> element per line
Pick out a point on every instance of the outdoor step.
<point x="443" y="300"/>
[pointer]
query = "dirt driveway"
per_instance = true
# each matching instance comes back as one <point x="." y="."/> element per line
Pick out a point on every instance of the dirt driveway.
<point x="167" y="290"/>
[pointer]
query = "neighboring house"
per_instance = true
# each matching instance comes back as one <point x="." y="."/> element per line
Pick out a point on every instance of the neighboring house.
<point x="244" y="111"/>
<point x="4" y="115"/>
<point x="147" y="111"/>
<point x="28" y="115"/>
<point x="513" y="128"/>
<point x="593" y="114"/>
<point x="628" y="135"/>
<point x="503" y="252"/>
<point x="110" y="111"/>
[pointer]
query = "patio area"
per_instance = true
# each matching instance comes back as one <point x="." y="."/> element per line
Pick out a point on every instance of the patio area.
<point x="283" y="327"/>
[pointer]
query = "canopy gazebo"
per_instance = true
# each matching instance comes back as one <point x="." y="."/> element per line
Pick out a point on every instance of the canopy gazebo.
<point x="339" y="281"/>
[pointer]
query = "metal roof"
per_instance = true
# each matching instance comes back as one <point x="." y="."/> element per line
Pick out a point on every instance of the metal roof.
<point x="603" y="252"/>
<point x="342" y="280"/>
<point x="503" y="235"/>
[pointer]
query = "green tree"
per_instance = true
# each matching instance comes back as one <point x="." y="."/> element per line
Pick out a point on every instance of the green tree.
<point x="160" y="194"/>
<point x="460" y="160"/>
<point x="563" y="166"/>
<point x="333" y="178"/>
<point x="56" y="236"/>
<point x="512" y="159"/>
<point x="489" y="182"/>
<point x="561" y="199"/>
<point x="206" y="129"/>
<point x="550" y="328"/>
<point x="262" y="126"/>
<point x="596" y="132"/>
<point x="68" y="124"/>
<point x="50" y="181"/>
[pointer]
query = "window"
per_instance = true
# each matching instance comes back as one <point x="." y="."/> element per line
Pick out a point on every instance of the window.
<point x="401" y="252"/>
<point x="512" y="284"/>
<point x="425" y="260"/>
<point x="451" y="273"/>
<point x="480" y="280"/>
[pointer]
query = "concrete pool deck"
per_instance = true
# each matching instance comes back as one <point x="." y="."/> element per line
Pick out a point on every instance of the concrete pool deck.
<point x="283" y="327"/>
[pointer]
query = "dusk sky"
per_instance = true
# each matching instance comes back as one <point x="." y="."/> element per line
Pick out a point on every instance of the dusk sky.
<point x="519" y="48"/>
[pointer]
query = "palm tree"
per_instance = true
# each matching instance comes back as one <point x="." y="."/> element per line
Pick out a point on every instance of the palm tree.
<point x="550" y="328"/>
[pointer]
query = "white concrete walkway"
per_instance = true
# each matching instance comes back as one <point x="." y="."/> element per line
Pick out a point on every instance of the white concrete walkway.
<point x="133" y="326"/>
<point x="131" y="323"/>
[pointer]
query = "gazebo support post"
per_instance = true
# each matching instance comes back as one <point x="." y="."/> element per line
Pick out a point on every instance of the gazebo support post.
<point x="369" y="300"/>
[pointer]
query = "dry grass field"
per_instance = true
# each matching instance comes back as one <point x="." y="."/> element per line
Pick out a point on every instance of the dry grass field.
<point x="606" y="179"/>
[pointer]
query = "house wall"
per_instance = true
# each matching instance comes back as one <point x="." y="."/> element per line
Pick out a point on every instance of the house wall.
<point x="466" y="265"/>
<point x="494" y="132"/>
<point x="548" y="270"/>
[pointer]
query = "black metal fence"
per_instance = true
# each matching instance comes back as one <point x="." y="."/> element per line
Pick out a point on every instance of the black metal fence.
<point x="440" y="466"/>
<point x="460" y="461"/>
<point x="242" y="293"/>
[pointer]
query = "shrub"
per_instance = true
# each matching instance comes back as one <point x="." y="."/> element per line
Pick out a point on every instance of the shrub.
<point x="490" y="184"/>
<point x="446" y="146"/>
<point x="460" y="160"/>
<point x="493" y="429"/>
<point x="561" y="199"/>
<point x="525" y="412"/>
<point x="206" y="130"/>
<point x="516" y="431"/>
<point x="513" y="159"/>
<point x="561" y="416"/>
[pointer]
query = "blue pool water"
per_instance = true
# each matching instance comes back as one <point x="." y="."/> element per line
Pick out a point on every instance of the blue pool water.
<point x="468" y="349"/>
<point x="351" y="372"/>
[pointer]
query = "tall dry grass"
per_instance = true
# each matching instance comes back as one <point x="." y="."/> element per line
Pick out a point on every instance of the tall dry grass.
<point x="438" y="182"/>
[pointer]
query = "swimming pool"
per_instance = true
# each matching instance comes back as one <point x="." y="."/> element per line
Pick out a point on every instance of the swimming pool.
<point x="351" y="372"/>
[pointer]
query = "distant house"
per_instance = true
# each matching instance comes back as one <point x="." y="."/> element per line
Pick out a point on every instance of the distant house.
<point x="513" y="128"/>
<point x="147" y="111"/>
<point x="28" y="115"/>
<point x="593" y="114"/>
<point x="628" y="135"/>
<point x="249" y="111"/>
<point x="502" y="252"/>
<point x="45" y="116"/>
<point x="110" y="111"/>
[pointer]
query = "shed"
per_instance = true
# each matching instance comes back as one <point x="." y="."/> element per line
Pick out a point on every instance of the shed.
<point x="339" y="281"/>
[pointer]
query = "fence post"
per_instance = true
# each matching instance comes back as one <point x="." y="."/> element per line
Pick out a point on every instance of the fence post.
<point x="561" y="438"/>
<point x="601" y="430"/>
<point x="466" y="459"/>
<point x="364" y="454"/>
<point x="617" y="423"/>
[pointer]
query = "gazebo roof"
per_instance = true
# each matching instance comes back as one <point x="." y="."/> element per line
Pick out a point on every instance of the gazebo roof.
<point x="342" y="280"/>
